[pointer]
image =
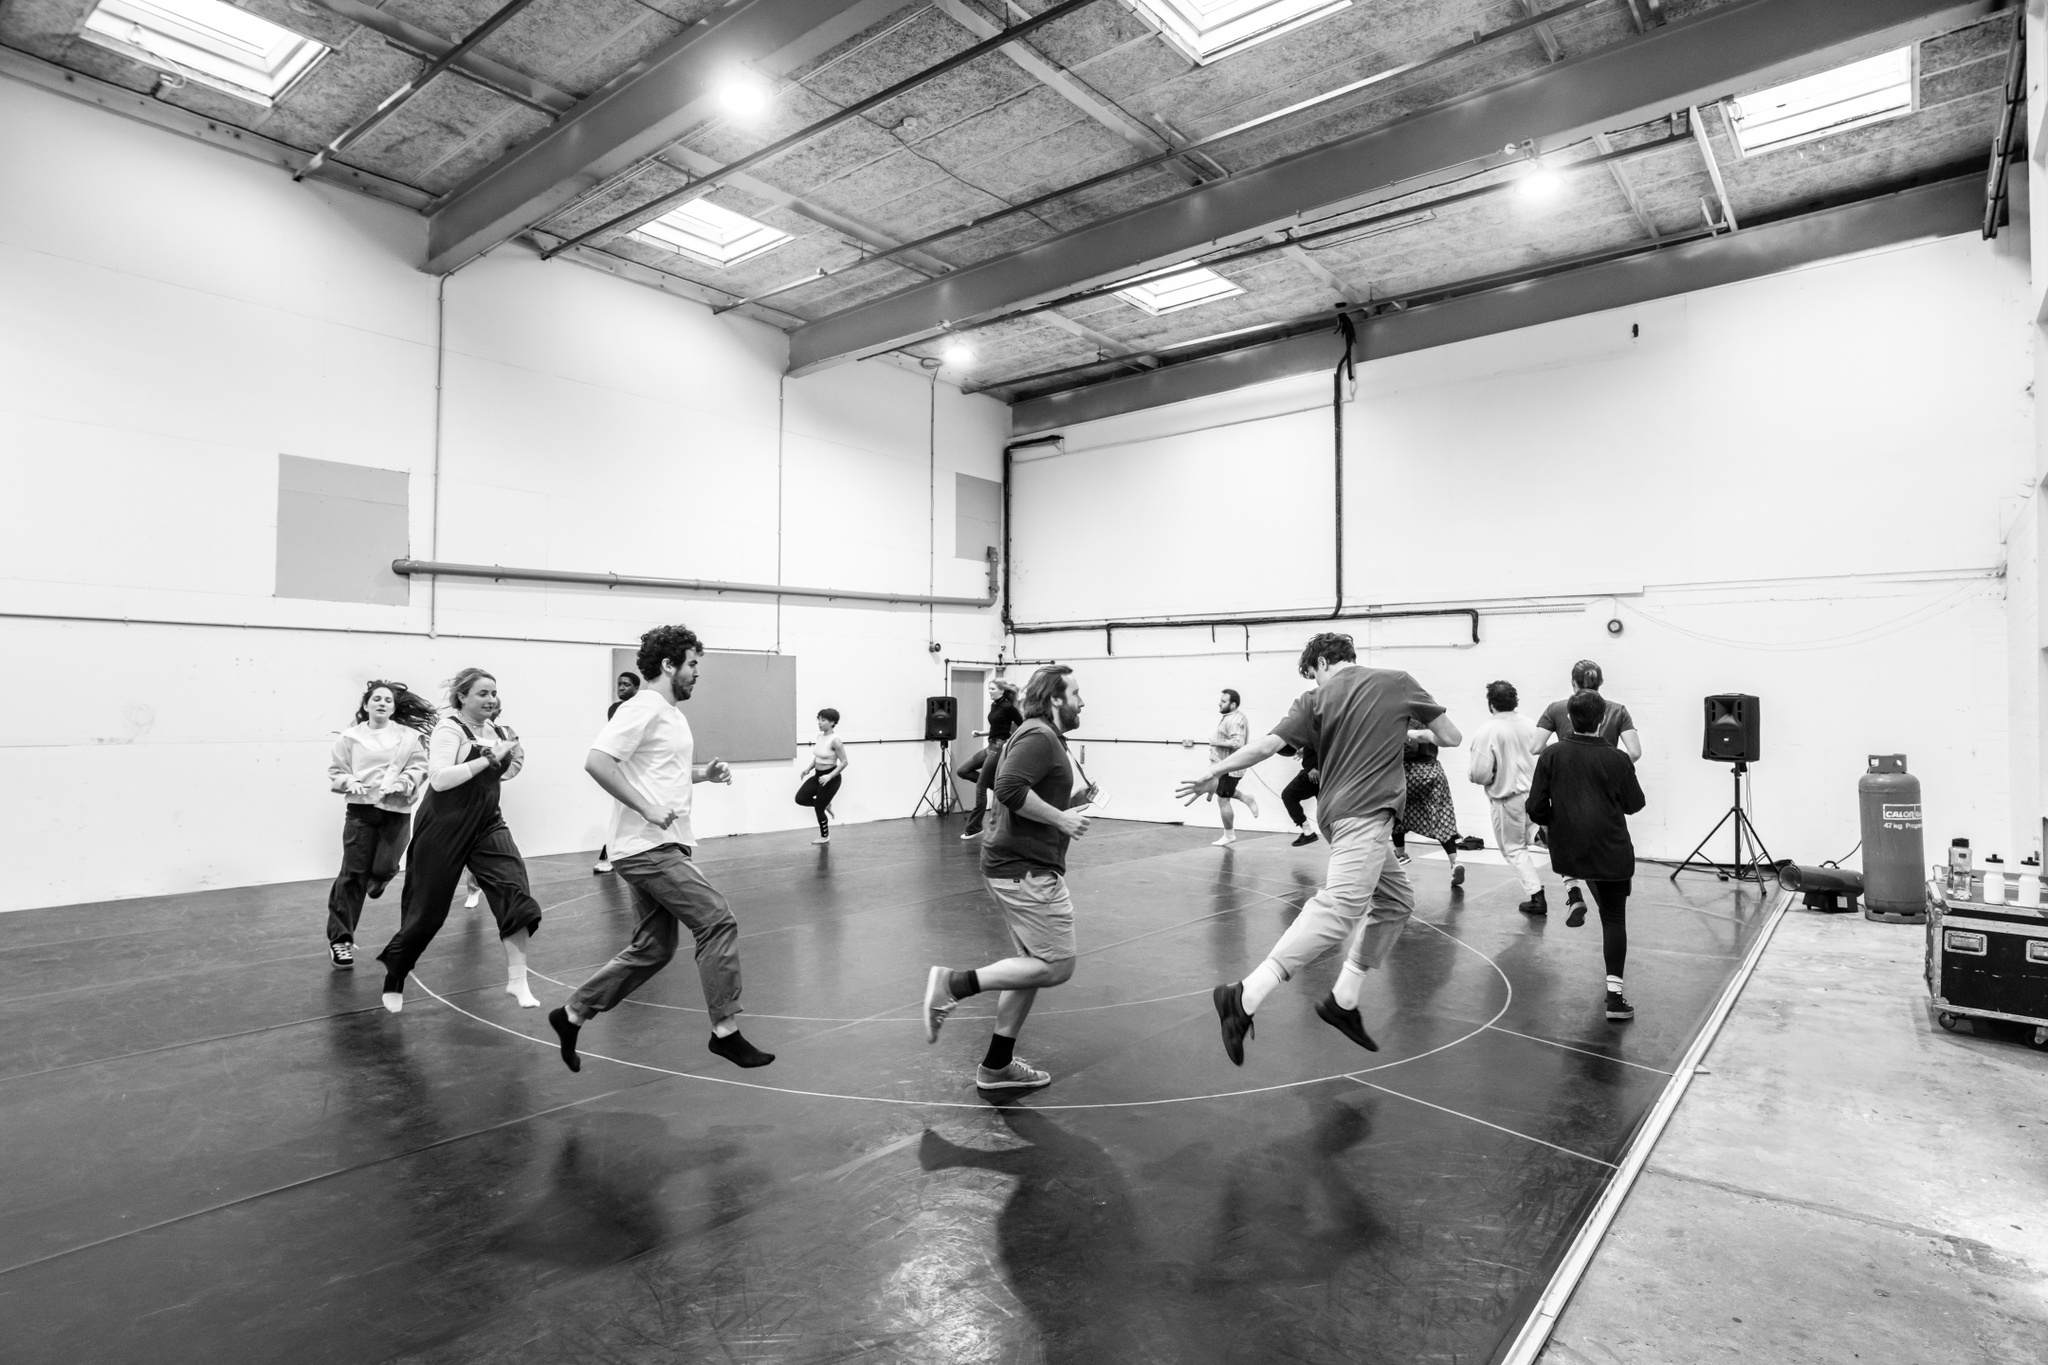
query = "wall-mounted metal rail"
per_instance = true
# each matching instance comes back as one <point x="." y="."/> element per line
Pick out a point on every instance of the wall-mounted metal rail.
<point x="500" y="573"/>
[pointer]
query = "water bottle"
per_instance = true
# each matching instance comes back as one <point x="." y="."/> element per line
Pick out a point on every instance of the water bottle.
<point x="1959" y="868"/>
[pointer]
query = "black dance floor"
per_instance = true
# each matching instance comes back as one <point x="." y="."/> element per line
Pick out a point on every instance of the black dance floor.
<point x="218" y="1149"/>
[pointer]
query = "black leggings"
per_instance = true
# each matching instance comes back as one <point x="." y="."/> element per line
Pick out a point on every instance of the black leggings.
<point x="372" y="842"/>
<point x="1449" y="846"/>
<point x="818" y="795"/>
<point x="1612" y="898"/>
<point x="981" y="769"/>
<point x="1302" y="788"/>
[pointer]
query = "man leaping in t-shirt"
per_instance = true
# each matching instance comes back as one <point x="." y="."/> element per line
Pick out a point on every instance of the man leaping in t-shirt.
<point x="643" y="758"/>
<point x="1617" y="731"/>
<point x="1357" y="720"/>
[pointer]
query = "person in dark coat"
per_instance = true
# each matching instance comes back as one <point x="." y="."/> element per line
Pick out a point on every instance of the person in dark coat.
<point x="1584" y="789"/>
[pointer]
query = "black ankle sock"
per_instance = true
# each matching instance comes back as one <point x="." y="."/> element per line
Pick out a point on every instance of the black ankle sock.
<point x="963" y="984"/>
<point x="1450" y="848"/>
<point x="1000" y="1050"/>
<point x="735" y="1048"/>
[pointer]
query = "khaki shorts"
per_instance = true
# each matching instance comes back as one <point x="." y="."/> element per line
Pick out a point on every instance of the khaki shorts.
<point x="1038" y="912"/>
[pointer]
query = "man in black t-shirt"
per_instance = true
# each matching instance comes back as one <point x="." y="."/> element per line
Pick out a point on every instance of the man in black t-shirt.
<point x="626" y="686"/>
<point x="1023" y="863"/>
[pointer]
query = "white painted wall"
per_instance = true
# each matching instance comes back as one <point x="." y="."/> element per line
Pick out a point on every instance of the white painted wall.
<point x="174" y="321"/>
<point x="1795" y="487"/>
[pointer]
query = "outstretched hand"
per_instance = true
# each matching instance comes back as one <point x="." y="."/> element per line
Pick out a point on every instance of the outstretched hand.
<point x="1195" y="789"/>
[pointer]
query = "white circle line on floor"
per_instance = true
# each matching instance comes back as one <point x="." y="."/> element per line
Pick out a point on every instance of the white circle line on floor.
<point x="984" y="1104"/>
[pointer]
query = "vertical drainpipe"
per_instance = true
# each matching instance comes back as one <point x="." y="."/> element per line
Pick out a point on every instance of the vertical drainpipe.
<point x="1008" y="625"/>
<point x="1346" y="366"/>
<point x="434" y="527"/>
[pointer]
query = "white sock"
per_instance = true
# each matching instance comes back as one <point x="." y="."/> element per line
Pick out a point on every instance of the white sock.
<point x="1263" y="981"/>
<point x="724" y="1029"/>
<point x="394" y="1001"/>
<point x="1350" y="981"/>
<point x="515" y="986"/>
<point x="1614" y="984"/>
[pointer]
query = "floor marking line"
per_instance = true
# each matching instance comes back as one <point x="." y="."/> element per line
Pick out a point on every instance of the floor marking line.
<point x="1552" y="1042"/>
<point x="315" y="1179"/>
<point x="984" y="1105"/>
<point x="1485" y="1124"/>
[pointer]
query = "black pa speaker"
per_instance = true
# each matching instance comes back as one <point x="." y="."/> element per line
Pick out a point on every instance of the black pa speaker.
<point x="941" y="719"/>
<point x="1732" y="731"/>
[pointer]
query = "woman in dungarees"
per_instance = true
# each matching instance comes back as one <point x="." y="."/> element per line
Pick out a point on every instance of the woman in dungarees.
<point x="459" y="826"/>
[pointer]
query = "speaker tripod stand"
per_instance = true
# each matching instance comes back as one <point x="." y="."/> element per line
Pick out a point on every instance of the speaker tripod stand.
<point x="1742" y="869"/>
<point x="939" y="796"/>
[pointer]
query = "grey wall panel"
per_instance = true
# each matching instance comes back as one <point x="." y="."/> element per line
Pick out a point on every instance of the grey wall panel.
<point x="744" y="710"/>
<point x="339" y="526"/>
<point x="977" y="516"/>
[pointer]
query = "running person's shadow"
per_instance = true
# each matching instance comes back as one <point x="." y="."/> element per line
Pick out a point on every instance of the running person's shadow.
<point x="1070" y="1248"/>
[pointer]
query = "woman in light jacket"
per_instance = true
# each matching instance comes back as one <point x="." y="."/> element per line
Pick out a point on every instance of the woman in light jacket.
<point x="377" y="766"/>
<point x="468" y="756"/>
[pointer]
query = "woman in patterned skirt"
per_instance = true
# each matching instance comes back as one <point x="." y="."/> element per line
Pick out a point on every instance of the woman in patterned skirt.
<point x="1429" y="810"/>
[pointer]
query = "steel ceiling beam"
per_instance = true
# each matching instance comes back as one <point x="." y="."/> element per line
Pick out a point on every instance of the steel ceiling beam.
<point x="636" y="115"/>
<point x="1694" y="60"/>
<point x="1944" y="209"/>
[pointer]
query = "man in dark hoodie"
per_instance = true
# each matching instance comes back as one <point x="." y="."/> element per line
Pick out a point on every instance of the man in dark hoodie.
<point x="1584" y="789"/>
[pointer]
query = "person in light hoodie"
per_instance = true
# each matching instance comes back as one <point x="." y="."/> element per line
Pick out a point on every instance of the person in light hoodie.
<point x="377" y="765"/>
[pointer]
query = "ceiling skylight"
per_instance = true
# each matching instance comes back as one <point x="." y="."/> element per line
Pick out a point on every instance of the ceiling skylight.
<point x="718" y="237"/>
<point x="1182" y="289"/>
<point x="206" y="41"/>
<point x="1818" y="106"/>
<point x="1208" y="30"/>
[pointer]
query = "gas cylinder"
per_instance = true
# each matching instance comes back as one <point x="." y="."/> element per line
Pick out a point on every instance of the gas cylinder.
<point x="1894" y="859"/>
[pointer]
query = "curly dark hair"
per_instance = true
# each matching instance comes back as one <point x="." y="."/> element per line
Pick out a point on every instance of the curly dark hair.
<point x="409" y="708"/>
<point x="665" y="644"/>
<point x="1502" y="696"/>
<point x="1328" y="647"/>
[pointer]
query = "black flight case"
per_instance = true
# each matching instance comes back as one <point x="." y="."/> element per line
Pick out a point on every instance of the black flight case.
<point x="1987" y="960"/>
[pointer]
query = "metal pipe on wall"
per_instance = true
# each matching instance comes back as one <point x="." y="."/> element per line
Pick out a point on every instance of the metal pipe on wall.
<point x="411" y="567"/>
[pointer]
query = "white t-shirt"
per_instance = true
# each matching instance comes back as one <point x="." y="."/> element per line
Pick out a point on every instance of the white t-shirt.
<point x="1504" y="755"/>
<point x="651" y="740"/>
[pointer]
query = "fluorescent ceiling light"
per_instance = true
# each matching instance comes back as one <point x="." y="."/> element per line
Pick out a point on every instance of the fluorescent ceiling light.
<point x="1209" y="30"/>
<point x="1182" y="289"/>
<point x="1384" y="225"/>
<point x="206" y="41"/>
<point x="743" y="97"/>
<point x="717" y="237"/>
<point x="1819" y="106"/>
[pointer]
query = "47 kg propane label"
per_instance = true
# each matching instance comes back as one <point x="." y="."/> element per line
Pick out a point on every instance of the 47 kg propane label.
<point x="1902" y="817"/>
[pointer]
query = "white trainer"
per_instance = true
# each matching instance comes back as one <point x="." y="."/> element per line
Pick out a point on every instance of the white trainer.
<point x="1018" y="1075"/>
<point x="938" y="1003"/>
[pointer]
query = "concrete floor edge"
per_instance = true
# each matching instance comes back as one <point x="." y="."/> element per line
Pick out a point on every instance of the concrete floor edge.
<point x="1535" y="1334"/>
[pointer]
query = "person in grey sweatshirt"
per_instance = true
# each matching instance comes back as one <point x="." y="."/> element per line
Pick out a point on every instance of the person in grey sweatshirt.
<point x="376" y="765"/>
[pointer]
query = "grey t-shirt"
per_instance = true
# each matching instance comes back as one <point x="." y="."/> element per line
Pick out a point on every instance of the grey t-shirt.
<point x="1614" y="722"/>
<point x="1358" y="723"/>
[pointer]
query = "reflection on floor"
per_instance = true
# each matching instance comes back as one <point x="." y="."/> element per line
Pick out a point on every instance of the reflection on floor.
<point x="221" y="1149"/>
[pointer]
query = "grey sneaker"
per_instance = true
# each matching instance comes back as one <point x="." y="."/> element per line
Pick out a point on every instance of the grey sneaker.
<point x="1457" y="874"/>
<point x="938" y="1003"/>
<point x="1016" y="1076"/>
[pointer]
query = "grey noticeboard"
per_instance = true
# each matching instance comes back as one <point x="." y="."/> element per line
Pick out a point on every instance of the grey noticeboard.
<point x="744" y="707"/>
<point x="977" y="516"/>
<point x="339" y="526"/>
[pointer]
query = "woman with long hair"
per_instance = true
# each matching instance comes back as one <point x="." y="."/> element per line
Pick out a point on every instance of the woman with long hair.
<point x="376" y="766"/>
<point x="468" y="756"/>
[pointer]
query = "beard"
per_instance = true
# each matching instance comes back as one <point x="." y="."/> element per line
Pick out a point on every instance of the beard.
<point x="1069" y="717"/>
<point x="683" y="689"/>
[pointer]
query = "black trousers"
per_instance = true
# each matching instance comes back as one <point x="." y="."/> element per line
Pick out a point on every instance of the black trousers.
<point x="1302" y="788"/>
<point x="818" y="795"/>
<point x="1612" y="898"/>
<point x="433" y="872"/>
<point x="372" y="842"/>
<point x="982" y="769"/>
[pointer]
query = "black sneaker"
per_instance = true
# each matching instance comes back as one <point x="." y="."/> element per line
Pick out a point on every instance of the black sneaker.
<point x="1577" y="904"/>
<point x="1618" y="1006"/>
<point x="1457" y="875"/>
<point x="344" y="955"/>
<point x="1307" y="836"/>
<point x="1347" y="1022"/>
<point x="1237" y="1025"/>
<point x="1535" y="905"/>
